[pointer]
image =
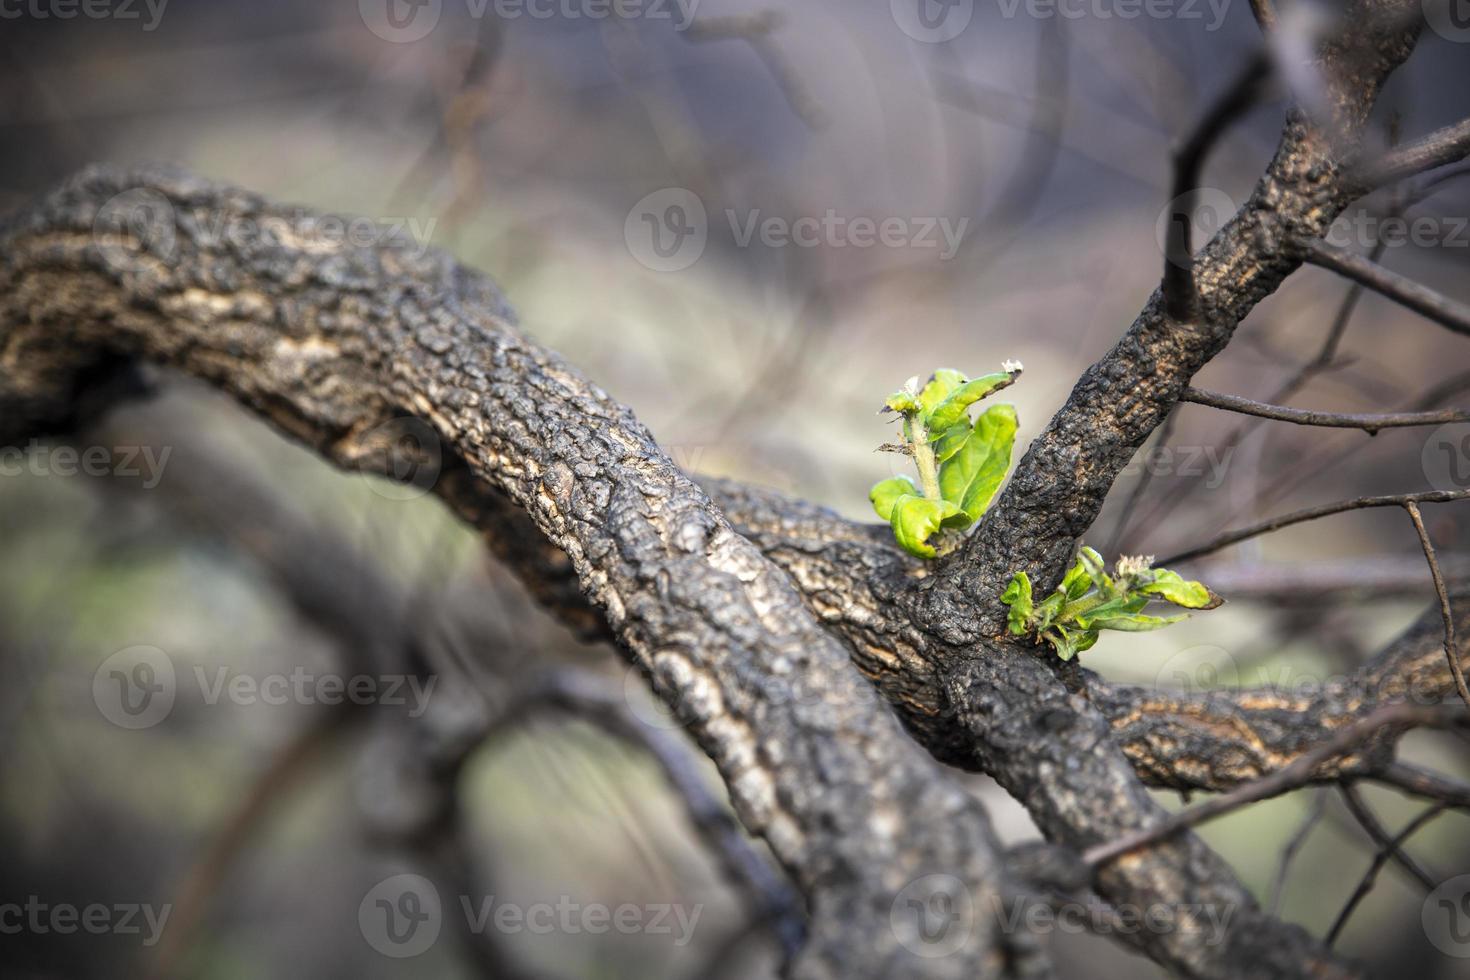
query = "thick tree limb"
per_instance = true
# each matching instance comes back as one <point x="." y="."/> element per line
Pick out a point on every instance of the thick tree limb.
<point x="1208" y="739"/>
<point x="1300" y="772"/>
<point x="1423" y="782"/>
<point x="331" y="341"/>
<point x="330" y="344"/>
<point x="1005" y="713"/>
<point x="1059" y="486"/>
<point x="1218" y="738"/>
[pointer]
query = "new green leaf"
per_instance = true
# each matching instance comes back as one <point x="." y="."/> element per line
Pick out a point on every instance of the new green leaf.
<point x="1018" y="596"/>
<point x="1172" y="587"/>
<point x="972" y="468"/>
<point x="940" y="385"/>
<point x="1089" y="601"/>
<point x="951" y="410"/>
<point x="960" y="465"/>
<point x="916" y="519"/>
<point x="886" y="493"/>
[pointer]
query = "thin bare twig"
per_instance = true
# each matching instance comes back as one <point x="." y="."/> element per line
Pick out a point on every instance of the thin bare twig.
<point x="1374" y="828"/>
<point x="1369" y="422"/>
<point x="1443" y="146"/>
<point x="1181" y="295"/>
<point x="589" y="699"/>
<point x="1388" y="849"/>
<point x="1330" y="454"/>
<point x="221" y="853"/>
<point x="1325" y="361"/>
<point x="1421" y="299"/>
<point x="1379" y="577"/>
<point x="1294" y="846"/>
<point x="1423" y="782"/>
<point x="1312" y="513"/>
<point x="1451" y="648"/>
<point x="1298" y="773"/>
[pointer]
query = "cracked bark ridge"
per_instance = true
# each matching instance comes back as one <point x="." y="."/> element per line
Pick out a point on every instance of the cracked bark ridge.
<point x="1216" y="740"/>
<point x="332" y="344"/>
<point x="1054" y="751"/>
<point x="333" y="341"/>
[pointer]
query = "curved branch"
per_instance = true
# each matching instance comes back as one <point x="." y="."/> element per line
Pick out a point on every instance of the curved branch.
<point x="1213" y="737"/>
<point x="332" y="341"/>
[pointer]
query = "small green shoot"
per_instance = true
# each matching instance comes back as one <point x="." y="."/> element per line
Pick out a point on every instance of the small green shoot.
<point x="1089" y="601"/>
<point x="961" y="463"/>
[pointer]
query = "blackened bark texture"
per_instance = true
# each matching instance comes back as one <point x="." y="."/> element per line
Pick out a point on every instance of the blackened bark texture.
<point x="852" y="574"/>
<point x="726" y="606"/>
<point x="1215" y="740"/>
<point x="333" y="341"/>
<point x="1060" y="484"/>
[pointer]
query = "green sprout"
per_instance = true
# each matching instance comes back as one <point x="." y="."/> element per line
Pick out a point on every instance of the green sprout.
<point x="961" y="463"/>
<point x="1089" y="601"/>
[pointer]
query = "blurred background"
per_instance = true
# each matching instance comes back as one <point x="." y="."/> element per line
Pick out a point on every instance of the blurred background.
<point x="749" y="223"/>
